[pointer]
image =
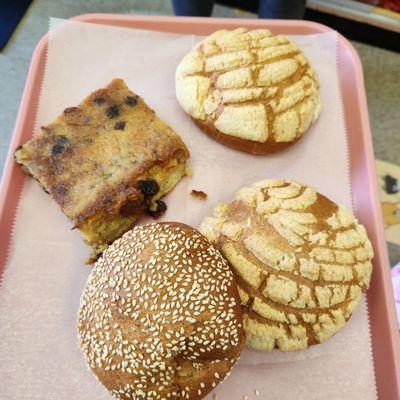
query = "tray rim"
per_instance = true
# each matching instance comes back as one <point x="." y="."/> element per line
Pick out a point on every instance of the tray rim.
<point x="386" y="385"/>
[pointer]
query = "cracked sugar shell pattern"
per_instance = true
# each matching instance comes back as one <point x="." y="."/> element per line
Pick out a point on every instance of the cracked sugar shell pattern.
<point x="300" y="260"/>
<point x="250" y="90"/>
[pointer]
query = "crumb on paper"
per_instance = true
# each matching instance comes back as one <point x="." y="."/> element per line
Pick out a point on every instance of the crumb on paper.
<point x="245" y="397"/>
<point x="199" y="194"/>
<point x="215" y="397"/>
<point x="256" y="392"/>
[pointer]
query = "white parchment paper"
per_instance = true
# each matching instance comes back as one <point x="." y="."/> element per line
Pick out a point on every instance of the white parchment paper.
<point x="45" y="273"/>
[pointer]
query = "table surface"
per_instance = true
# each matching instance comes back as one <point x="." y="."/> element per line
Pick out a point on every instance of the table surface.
<point x="380" y="69"/>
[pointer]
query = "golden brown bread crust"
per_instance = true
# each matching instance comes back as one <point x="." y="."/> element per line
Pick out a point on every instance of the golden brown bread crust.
<point x="160" y="315"/>
<point x="91" y="158"/>
<point x="300" y="260"/>
<point x="248" y="146"/>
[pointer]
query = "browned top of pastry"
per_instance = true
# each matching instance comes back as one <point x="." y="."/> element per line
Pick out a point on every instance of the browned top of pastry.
<point x="89" y="156"/>
<point x="301" y="262"/>
<point x="160" y="315"/>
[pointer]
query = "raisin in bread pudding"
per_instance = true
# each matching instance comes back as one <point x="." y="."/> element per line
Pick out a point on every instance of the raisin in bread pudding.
<point x="250" y="90"/>
<point x="160" y="316"/>
<point x="301" y="262"/>
<point x="106" y="162"/>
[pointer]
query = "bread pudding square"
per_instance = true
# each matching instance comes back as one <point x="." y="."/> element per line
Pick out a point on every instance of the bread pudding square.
<point x="106" y="162"/>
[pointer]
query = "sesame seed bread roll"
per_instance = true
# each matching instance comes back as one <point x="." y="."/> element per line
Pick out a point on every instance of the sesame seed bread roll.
<point x="300" y="260"/>
<point x="249" y="89"/>
<point x="160" y="316"/>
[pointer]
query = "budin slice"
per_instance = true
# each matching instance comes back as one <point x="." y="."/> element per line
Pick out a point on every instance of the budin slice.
<point x="106" y="162"/>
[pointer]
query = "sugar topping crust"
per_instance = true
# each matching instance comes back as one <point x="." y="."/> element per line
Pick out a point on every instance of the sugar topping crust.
<point x="249" y="84"/>
<point x="301" y="262"/>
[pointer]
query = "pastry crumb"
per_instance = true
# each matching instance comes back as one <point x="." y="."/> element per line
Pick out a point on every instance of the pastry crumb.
<point x="256" y="392"/>
<point x="215" y="397"/>
<point x="199" y="194"/>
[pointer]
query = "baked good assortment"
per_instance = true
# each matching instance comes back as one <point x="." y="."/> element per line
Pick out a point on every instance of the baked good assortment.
<point x="106" y="162"/>
<point x="166" y="311"/>
<point x="249" y="89"/>
<point x="160" y="316"/>
<point x="300" y="260"/>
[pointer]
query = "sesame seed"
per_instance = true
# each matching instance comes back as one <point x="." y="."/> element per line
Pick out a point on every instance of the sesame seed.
<point x="166" y="295"/>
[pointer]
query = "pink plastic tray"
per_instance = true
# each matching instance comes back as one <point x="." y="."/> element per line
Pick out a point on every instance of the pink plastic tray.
<point x="385" y="337"/>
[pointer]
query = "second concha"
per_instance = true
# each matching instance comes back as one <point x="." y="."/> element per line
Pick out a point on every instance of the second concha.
<point x="249" y="89"/>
